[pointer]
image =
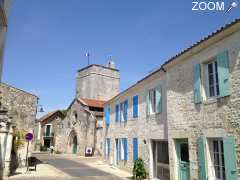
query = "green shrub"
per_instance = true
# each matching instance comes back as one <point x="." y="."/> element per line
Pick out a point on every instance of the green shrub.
<point x="139" y="171"/>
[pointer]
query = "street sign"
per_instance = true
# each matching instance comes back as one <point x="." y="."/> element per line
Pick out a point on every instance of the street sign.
<point x="29" y="136"/>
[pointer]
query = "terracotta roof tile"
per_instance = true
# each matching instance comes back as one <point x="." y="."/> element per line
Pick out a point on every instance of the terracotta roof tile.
<point x="47" y="116"/>
<point x="93" y="102"/>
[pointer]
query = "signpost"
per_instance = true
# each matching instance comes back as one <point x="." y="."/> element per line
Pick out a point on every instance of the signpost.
<point x="28" y="137"/>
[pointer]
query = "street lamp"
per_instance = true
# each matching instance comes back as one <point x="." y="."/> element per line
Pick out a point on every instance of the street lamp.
<point x="41" y="110"/>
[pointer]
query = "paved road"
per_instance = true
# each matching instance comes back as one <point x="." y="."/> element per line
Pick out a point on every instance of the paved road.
<point x="77" y="170"/>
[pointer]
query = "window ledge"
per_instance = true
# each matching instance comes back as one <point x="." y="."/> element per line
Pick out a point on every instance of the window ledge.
<point x="210" y="101"/>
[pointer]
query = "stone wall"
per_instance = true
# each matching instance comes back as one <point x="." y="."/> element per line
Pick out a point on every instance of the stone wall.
<point x="145" y="128"/>
<point x="212" y="118"/>
<point x="97" y="82"/>
<point x="22" y="108"/>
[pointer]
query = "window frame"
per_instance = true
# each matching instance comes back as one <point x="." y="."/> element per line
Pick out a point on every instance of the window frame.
<point x="221" y="161"/>
<point x="50" y="133"/>
<point x="152" y="105"/>
<point x="213" y="61"/>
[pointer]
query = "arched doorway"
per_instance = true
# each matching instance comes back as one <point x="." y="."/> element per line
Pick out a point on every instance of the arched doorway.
<point x="74" y="145"/>
<point x="73" y="142"/>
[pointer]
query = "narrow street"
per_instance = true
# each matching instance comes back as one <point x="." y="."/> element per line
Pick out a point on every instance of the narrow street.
<point x="77" y="170"/>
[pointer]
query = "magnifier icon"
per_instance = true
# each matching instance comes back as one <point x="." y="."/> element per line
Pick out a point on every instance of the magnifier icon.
<point x="234" y="4"/>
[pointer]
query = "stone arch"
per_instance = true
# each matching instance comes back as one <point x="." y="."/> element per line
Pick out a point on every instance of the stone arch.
<point x="73" y="142"/>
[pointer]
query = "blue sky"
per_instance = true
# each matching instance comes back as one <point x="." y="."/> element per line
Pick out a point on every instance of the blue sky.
<point x="47" y="39"/>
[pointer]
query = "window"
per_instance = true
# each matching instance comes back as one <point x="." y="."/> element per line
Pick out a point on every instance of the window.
<point x="212" y="79"/>
<point x="124" y="110"/>
<point x="107" y="147"/>
<point x="217" y="156"/>
<point x="152" y="100"/>
<point x="123" y="149"/>
<point x="48" y="129"/>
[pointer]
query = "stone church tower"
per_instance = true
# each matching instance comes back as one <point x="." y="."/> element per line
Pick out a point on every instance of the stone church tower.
<point x="82" y="127"/>
<point x="98" y="82"/>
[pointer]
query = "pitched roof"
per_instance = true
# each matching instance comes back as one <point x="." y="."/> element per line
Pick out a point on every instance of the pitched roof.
<point x="93" y="102"/>
<point x="48" y="116"/>
<point x="5" y="84"/>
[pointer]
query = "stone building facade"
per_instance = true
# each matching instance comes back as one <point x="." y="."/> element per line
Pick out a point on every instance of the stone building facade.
<point x="22" y="108"/>
<point x="98" y="82"/>
<point x="141" y="123"/>
<point x="200" y="105"/>
<point x="79" y="130"/>
<point x="50" y="125"/>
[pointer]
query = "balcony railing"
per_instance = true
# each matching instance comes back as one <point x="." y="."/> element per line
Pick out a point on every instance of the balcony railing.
<point x="48" y="135"/>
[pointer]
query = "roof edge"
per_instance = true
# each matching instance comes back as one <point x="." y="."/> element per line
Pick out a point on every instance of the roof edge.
<point x="105" y="67"/>
<point x="20" y="89"/>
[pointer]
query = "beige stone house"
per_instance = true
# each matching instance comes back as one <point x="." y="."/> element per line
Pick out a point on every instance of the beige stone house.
<point x="198" y="92"/>
<point x="49" y="126"/>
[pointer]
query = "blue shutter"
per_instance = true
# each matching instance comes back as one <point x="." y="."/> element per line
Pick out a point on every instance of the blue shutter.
<point x="117" y="112"/>
<point x="197" y="84"/>
<point x="121" y="110"/>
<point x="125" y="110"/>
<point x="201" y="142"/>
<point x="125" y="149"/>
<point x="158" y="99"/>
<point x="230" y="156"/>
<point x="135" y="106"/>
<point x="107" y="115"/>
<point x="223" y="73"/>
<point x="135" y="149"/>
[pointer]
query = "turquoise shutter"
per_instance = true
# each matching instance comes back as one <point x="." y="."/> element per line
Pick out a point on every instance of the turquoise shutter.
<point x="125" y="149"/>
<point x="158" y="99"/>
<point x="223" y="74"/>
<point x="230" y="158"/>
<point x="202" y="161"/>
<point x="117" y="112"/>
<point x="135" y="149"/>
<point x="125" y="110"/>
<point x="147" y="104"/>
<point x="197" y="83"/>
<point x="135" y="106"/>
